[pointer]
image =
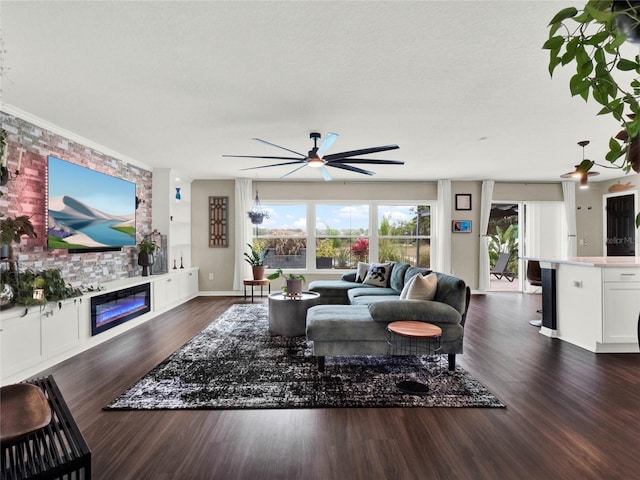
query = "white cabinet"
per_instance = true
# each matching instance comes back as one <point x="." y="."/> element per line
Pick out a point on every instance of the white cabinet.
<point x="174" y="288"/>
<point x="188" y="284"/>
<point x="621" y="310"/>
<point x="43" y="333"/>
<point x="598" y="307"/>
<point x="20" y="341"/>
<point x="165" y="292"/>
<point x="45" y="336"/>
<point x="61" y="326"/>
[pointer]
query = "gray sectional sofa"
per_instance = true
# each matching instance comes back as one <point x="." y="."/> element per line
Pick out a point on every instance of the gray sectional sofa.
<point x="352" y="317"/>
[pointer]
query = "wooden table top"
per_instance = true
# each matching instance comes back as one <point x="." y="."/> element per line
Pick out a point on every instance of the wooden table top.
<point x="251" y="281"/>
<point x="24" y="410"/>
<point x="414" y="329"/>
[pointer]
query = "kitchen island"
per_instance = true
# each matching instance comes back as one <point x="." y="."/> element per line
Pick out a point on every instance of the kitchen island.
<point x="592" y="302"/>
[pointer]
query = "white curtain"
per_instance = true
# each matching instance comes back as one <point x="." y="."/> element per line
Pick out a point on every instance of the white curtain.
<point x="532" y="238"/>
<point x="243" y="197"/>
<point x="442" y="260"/>
<point x="569" y="195"/>
<point x="485" y="212"/>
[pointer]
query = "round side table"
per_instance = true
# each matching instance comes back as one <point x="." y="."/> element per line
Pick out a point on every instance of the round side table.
<point x="288" y="315"/>
<point x="408" y="337"/>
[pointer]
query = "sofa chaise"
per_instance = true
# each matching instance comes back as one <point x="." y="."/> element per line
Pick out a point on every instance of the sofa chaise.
<point x="353" y="316"/>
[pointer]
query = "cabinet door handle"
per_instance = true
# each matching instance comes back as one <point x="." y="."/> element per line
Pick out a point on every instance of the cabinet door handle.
<point x="627" y="274"/>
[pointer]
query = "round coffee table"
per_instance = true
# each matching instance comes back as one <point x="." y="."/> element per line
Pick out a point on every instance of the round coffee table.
<point x="409" y="337"/>
<point x="288" y="315"/>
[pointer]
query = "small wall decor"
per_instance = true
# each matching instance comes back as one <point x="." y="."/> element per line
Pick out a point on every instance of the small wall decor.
<point x="461" y="226"/>
<point x="619" y="187"/>
<point x="218" y="233"/>
<point x="463" y="201"/>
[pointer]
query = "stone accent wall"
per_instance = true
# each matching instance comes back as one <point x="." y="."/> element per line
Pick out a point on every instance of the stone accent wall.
<point x="26" y="194"/>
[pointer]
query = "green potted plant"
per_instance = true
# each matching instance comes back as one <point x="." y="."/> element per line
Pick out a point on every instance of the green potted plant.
<point x="592" y="41"/>
<point x="256" y="258"/>
<point x="146" y="248"/>
<point x="294" y="282"/>
<point x="12" y="230"/>
<point x="325" y="253"/>
<point x="38" y="287"/>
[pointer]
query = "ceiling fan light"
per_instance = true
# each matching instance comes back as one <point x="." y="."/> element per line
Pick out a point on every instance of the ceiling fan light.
<point x="315" y="162"/>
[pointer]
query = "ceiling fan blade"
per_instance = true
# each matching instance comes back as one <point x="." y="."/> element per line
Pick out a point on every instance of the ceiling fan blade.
<point x="293" y="171"/>
<point x="327" y="142"/>
<point x="325" y="174"/>
<point x="364" y="151"/>
<point x="267" y="157"/>
<point x="371" y="161"/>
<point x="350" y="168"/>
<point x="278" y="146"/>
<point x="276" y="165"/>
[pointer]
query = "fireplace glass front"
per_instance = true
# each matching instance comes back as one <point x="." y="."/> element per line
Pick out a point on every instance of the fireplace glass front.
<point x="114" y="308"/>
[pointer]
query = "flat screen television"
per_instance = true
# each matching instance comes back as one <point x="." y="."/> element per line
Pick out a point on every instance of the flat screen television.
<point x="88" y="210"/>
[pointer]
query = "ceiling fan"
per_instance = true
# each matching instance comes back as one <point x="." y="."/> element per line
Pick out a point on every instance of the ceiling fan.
<point x="316" y="157"/>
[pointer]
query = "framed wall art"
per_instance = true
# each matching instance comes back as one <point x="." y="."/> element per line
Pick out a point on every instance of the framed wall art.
<point x="463" y="201"/>
<point x="218" y="234"/>
<point x="461" y="226"/>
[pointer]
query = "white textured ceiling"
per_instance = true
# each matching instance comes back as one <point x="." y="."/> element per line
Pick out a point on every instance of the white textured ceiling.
<point x="461" y="87"/>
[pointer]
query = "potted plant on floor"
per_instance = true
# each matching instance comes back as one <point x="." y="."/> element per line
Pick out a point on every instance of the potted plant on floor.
<point x="146" y="248"/>
<point x="294" y="282"/>
<point x="592" y="40"/>
<point x="256" y="258"/>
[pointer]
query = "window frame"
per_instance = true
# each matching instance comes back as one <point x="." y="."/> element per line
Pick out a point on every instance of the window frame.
<point x="373" y="225"/>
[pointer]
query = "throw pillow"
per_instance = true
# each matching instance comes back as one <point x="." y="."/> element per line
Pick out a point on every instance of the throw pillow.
<point x="361" y="273"/>
<point x="378" y="274"/>
<point x="420" y="287"/>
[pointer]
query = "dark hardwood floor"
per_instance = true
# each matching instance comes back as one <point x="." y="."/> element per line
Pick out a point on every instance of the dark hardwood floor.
<point x="570" y="414"/>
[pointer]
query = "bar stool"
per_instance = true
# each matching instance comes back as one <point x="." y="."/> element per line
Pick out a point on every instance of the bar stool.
<point x="534" y="277"/>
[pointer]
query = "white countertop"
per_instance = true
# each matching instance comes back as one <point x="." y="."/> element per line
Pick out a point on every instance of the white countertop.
<point x="592" y="261"/>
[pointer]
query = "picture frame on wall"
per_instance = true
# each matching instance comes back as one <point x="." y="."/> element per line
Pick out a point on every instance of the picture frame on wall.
<point x="463" y="201"/>
<point x="461" y="226"/>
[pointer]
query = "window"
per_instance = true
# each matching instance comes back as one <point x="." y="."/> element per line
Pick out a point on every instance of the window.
<point x="338" y="236"/>
<point x="404" y="234"/>
<point x="284" y="233"/>
<point x="342" y="235"/>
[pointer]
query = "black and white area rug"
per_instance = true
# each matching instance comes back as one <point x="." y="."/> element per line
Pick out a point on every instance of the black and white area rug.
<point x="235" y="363"/>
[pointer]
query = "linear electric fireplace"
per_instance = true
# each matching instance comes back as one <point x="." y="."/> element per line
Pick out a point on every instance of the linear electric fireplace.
<point x="114" y="308"/>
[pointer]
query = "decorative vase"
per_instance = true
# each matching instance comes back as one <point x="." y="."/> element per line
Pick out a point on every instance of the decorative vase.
<point x="7" y="296"/>
<point x="294" y="287"/>
<point x="145" y="260"/>
<point x="258" y="272"/>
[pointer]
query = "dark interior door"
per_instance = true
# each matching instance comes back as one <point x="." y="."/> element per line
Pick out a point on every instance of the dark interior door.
<point x="621" y="226"/>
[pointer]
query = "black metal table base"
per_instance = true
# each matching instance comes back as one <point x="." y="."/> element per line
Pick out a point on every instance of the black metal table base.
<point x="418" y="347"/>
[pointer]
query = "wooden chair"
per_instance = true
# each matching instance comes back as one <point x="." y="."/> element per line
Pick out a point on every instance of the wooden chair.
<point x="500" y="269"/>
